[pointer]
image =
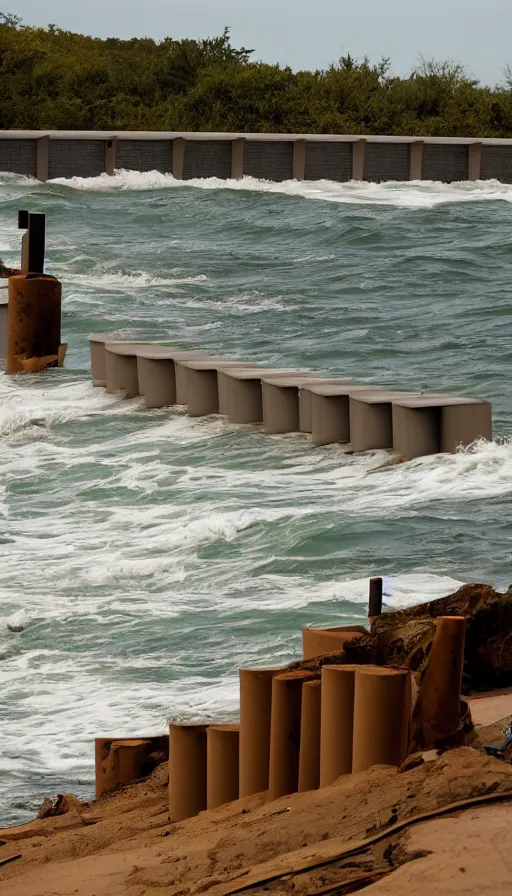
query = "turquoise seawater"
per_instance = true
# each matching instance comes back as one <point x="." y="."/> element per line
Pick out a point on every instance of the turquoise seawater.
<point x="146" y="555"/>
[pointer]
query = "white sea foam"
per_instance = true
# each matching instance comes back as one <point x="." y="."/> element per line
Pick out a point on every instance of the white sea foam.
<point x="406" y="194"/>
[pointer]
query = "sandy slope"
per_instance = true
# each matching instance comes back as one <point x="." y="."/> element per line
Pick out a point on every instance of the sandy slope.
<point x="124" y="843"/>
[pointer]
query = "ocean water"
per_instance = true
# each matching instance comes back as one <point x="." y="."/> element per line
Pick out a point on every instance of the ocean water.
<point x="147" y="556"/>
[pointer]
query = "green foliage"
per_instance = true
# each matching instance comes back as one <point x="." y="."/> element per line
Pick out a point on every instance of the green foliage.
<point x="54" y="79"/>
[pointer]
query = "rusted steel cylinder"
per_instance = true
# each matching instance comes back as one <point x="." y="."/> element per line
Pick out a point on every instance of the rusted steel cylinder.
<point x="34" y="321"/>
<point x="375" y="598"/>
<point x="440" y="692"/>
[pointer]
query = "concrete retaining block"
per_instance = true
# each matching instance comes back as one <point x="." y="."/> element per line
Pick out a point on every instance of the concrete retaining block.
<point x="305" y="398"/>
<point x="330" y="414"/>
<point x="156" y="369"/>
<point x="244" y="391"/>
<point x="432" y="424"/>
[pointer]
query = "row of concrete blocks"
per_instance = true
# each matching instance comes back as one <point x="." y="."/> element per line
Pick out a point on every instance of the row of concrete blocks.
<point x="289" y="400"/>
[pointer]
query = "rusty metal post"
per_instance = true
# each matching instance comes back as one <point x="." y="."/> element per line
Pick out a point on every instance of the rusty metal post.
<point x="375" y="598"/>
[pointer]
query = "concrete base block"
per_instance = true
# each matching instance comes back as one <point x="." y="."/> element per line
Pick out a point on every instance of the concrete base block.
<point x="330" y="419"/>
<point x="222" y="764"/>
<point x="124" y="760"/>
<point x="305" y="424"/>
<point x="323" y="641"/>
<point x="200" y="382"/>
<point x="244" y="392"/>
<point x="202" y="395"/>
<point x="222" y="385"/>
<point x="187" y="771"/>
<point x="121" y="371"/>
<point x="371" y="420"/>
<point x="280" y="404"/>
<point x="157" y="381"/>
<point x="330" y="411"/>
<point x="463" y="424"/>
<point x="429" y="425"/>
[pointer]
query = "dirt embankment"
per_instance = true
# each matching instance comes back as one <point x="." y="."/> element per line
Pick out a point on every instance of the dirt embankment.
<point x="125" y="844"/>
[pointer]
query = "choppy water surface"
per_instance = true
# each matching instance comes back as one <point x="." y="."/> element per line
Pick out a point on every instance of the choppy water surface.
<point x="148" y="556"/>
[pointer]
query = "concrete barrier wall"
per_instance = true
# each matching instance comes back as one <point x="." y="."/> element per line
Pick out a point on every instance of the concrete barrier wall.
<point x="274" y="157"/>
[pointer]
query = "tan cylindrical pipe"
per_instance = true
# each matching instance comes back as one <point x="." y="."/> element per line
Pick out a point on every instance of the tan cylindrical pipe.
<point x="309" y="760"/>
<point x="382" y="704"/>
<point x="337" y="719"/>
<point x="187" y="770"/>
<point x="441" y="688"/>
<point x="222" y="785"/>
<point x="285" y="733"/>
<point x="255" y="716"/>
<point x="33" y="320"/>
<point x="322" y="641"/>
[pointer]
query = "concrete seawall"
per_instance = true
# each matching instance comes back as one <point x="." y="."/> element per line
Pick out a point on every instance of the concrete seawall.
<point x="274" y="157"/>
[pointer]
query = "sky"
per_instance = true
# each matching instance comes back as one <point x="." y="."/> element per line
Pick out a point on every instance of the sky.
<point x="305" y="34"/>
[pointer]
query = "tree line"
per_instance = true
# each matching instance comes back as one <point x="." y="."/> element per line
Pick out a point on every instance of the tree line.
<point x="55" y="79"/>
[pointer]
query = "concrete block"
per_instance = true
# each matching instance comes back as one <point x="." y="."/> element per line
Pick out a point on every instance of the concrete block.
<point x="222" y="385"/>
<point x="474" y="160"/>
<point x="432" y="424"/>
<point x="330" y="411"/>
<point x="222" y="764"/>
<point x="305" y="398"/>
<point x="200" y="383"/>
<point x="97" y="347"/>
<point x="244" y="392"/>
<point x="121" y="368"/>
<point x="124" y="760"/>
<point x="323" y="641"/>
<point x="280" y="403"/>
<point x="371" y="419"/>
<point x="156" y="369"/>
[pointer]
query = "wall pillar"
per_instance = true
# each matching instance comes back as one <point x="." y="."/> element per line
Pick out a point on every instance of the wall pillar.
<point x="42" y="158"/>
<point x="416" y="160"/>
<point x="299" y="159"/>
<point x="382" y="710"/>
<point x="309" y="759"/>
<point x="285" y="733"/>
<point x="237" y="158"/>
<point x="187" y="771"/>
<point x="337" y="722"/>
<point x="358" y="159"/>
<point x="178" y="157"/>
<point x="110" y="155"/>
<point x="222" y="765"/>
<point x="474" y="160"/>
<point x="255" y="716"/>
